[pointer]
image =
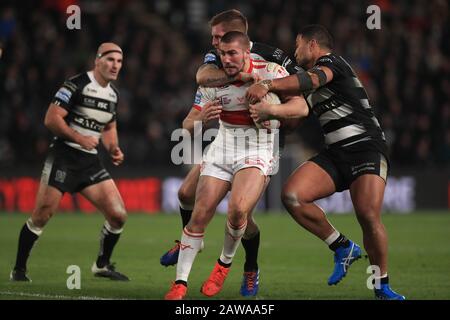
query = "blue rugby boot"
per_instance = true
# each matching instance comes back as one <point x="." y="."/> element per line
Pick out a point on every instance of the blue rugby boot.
<point x="386" y="293"/>
<point x="343" y="258"/>
<point x="250" y="284"/>
<point x="170" y="258"/>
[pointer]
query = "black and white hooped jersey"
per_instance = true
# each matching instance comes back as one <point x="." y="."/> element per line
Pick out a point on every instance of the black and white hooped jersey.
<point x="90" y="106"/>
<point x="259" y="51"/>
<point x="343" y="109"/>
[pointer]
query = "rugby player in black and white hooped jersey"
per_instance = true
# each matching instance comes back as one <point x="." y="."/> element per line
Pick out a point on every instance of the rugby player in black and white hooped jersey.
<point x="82" y="113"/>
<point x="355" y="157"/>
<point x="211" y="74"/>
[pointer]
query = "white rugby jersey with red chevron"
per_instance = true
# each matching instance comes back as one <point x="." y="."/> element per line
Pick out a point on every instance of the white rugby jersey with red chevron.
<point x="232" y="96"/>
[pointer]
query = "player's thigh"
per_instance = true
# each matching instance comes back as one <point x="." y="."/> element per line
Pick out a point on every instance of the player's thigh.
<point x="106" y="197"/>
<point x="248" y="186"/>
<point x="367" y="193"/>
<point x="210" y="192"/>
<point x="187" y="190"/>
<point x="309" y="182"/>
<point x="47" y="202"/>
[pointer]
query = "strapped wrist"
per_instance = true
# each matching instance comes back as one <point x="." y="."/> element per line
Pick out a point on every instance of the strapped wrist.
<point x="268" y="84"/>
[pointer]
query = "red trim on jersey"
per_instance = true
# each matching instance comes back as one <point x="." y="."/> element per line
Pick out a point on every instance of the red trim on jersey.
<point x="250" y="68"/>
<point x="241" y="117"/>
<point x="197" y="107"/>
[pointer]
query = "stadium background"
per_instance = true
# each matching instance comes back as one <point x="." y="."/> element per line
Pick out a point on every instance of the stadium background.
<point x="405" y="67"/>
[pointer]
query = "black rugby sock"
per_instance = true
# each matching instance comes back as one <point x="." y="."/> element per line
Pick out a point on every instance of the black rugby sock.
<point x="251" y="247"/>
<point x="108" y="241"/>
<point x="185" y="216"/>
<point x="27" y="238"/>
<point x="341" y="241"/>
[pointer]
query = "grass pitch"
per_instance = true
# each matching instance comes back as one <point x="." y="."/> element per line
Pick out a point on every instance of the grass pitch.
<point x="293" y="263"/>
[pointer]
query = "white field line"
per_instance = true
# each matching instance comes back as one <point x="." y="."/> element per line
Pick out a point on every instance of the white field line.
<point x="51" y="296"/>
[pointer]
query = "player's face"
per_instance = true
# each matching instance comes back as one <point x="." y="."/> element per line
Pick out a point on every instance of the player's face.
<point x="110" y="65"/>
<point x="303" y="52"/>
<point x="233" y="57"/>
<point x="217" y="33"/>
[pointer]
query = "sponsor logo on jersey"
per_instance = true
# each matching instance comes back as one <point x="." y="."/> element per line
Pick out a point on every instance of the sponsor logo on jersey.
<point x="325" y="59"/>
<point x="102" y="105"/>
<point x="89" y="102"/>
<point x="210" y="57"/>
<point x="88" y="124"/>
<point x="224" y="100"/>
<point x="60" y="176"/>
<point x="64" y="94"/>
<point x="198" y="97"/>
<point x="277" y="54"/>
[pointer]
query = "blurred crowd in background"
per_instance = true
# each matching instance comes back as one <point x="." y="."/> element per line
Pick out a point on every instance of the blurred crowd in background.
<point x="405" y="67"/>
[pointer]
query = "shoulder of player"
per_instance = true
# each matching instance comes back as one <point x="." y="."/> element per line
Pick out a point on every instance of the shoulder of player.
<point x="79" y="80"/>
<point x="268" y="67"/>
<point x="329" y="58"/>
<point x="114" y="88"/>
<point x="263" y="48"/>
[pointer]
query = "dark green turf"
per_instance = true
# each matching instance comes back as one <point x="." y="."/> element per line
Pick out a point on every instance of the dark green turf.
<point x="294" y="264"/>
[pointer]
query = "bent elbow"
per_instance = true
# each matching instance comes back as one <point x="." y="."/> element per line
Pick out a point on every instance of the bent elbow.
<point x="48" y="122"/>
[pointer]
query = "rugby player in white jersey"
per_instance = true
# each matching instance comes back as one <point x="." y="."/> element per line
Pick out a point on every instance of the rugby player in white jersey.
<point x="241" y="168"/>
<point x="212" y="74"/>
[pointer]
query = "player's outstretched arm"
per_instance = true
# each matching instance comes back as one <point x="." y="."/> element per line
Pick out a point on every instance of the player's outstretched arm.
<point x="294" y="107"/>
<point x="54" y="121"/>
<point x="209" y="75"/>
<point x="293" y="84"/>
<point x="110" y="141"/>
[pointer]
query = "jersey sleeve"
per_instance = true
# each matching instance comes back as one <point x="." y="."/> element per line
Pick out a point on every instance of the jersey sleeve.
<point x="212" y="58"/>
<point x="276" y="55"/>
<point x="329" y="62"/>
<point x="65" y="96"/>
<point x="203" y="96"/>
<point x="276" y="71"/>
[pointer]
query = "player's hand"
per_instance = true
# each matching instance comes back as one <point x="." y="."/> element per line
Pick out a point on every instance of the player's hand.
<point x="88" y="142"/>
<point x="256" y="92"/>
<point x="260" y="111"/>
<point x="211" y="111"/>
<point x="248" y="77"/>
<point x="116" y="156"/>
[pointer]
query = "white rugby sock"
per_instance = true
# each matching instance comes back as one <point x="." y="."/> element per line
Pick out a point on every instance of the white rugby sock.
<point x="332" y="237"/>
<point x="189" y="246"/>
<point x="233" y="237"/>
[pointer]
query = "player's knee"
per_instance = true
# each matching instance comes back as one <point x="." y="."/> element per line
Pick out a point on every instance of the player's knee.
<point x="237" y="214"/>
<point x="368" y="212"/>
<point x="293" y="198"/>
<point x="289" y="199"/>
<point x="117" y="217"/>
<point x="186" y="195"/>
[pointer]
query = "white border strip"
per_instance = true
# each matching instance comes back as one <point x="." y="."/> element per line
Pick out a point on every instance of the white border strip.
<point x="50" y="296"/>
